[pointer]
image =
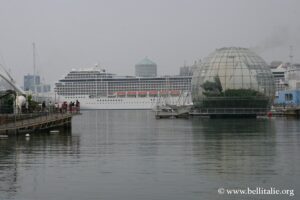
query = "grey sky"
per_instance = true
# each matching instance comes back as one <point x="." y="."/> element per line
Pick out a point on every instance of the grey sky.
<point x="117" y="34"/>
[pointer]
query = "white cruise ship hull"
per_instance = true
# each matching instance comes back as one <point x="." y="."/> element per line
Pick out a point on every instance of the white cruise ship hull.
<point x="96" y="89"/>
<point x="116" y="103"/>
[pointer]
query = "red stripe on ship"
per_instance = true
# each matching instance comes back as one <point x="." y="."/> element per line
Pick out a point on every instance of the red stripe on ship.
<point x="164" y="92"/>
<point x="131" y="93"/>
<point x="153" y="92"/>
<point x="142" y="92"/>
<point x="121" y="93"/>
<point x="175" y="92"/>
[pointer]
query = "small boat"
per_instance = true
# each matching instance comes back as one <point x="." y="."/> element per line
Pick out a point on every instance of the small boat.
<point x="180" y="109"/>
<point x="3" y="136"/>
<point x="54" y="131"/>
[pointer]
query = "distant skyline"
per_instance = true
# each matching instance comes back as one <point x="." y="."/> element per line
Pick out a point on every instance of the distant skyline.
<point x="117" y="34"/>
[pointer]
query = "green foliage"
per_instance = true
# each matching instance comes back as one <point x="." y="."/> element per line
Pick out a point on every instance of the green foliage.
<point x="241" y="93"/>
<point x="32" y="105"/>
<point x="228" y="102"/>
<point x="29" y="98"/>
<point x="7" y="104"/>
<point x="230" y="98"/>
<point x="212" y="88"/>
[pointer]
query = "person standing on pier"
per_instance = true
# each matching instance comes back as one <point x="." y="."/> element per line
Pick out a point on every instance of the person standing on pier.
<point x="77" y="106"/>
<point x="43" y="106"/>
<point x="70" y="106"/>
<point x="50" y="107"/>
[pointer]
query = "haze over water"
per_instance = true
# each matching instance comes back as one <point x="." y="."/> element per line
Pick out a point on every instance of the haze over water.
<point x="131" y="155"/>
<point x="117" y="34"/>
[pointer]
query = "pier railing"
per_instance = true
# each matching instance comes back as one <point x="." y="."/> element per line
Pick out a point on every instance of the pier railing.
<point x="229" y="111"/>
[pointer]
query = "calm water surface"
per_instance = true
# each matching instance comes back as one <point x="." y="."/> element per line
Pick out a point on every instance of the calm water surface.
<point x="130" y="155"/>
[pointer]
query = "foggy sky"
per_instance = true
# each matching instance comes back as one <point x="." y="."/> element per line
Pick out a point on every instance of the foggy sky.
<point x="118" y="34"/>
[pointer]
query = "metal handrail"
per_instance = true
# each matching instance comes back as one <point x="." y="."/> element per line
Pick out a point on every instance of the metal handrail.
<point x="230" y="110"/>
<point x="34" y="120"/>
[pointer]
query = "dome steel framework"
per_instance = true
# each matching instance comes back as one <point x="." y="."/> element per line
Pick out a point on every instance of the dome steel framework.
<point x="233" y="79"/>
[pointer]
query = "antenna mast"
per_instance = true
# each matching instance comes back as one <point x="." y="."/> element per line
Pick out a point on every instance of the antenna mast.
<point x="34" y="68"/>
<point x="291" y="55"/>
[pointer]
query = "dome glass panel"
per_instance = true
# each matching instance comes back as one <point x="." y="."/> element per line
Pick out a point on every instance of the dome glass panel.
<point x="233" y="77"/>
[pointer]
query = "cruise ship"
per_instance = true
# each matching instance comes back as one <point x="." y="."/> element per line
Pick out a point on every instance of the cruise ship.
<point x="94" y="88"/>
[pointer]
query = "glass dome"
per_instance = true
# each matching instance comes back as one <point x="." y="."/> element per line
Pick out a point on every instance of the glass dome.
<point x="233" y="77"/>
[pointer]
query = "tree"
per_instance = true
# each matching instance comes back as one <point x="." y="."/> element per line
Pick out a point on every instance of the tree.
<point x="212" y="88"/>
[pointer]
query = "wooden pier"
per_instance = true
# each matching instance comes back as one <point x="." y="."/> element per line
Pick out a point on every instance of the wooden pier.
<point x="36" y="123"/>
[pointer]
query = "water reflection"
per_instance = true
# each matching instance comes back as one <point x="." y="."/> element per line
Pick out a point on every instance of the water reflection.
<point x="288" y="142"/>
<point x="112" y="132"/>
<point x="235" y="149"/>
<point x="131" y="155"/>
<point x="21" y="154"/>
<point x="8" y="169"/>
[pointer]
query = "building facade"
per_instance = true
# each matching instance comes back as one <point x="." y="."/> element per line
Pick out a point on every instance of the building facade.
<point x="188" y="70"/>
<point x="30" y="81"/>
<point x="146" y="68"/>
<point x="290" y="95"/>
<point x="288" y="98"/>
<point x="33" y="83"/>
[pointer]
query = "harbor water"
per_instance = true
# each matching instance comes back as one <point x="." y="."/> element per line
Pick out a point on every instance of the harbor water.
<point x="128" y="155"/>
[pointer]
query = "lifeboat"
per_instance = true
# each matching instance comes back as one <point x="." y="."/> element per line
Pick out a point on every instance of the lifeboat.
<point x="175" y="92"/>
<point x="121" y="93"/>
<point x="131" y="93"/>
<point x="153" y="92"/>
<point x="142" y="93"/>
<point x="164" y="92"/>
